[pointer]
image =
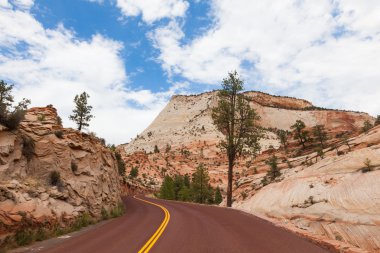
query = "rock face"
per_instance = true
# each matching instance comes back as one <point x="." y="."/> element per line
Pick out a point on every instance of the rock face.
<point x="329" y="199"/>
<point x="88" y="176"/>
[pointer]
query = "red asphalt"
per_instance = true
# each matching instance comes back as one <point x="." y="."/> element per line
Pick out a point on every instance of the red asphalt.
<point x="192" y="228"/>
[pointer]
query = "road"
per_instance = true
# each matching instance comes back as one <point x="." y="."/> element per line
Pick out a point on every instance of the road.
<point x="183" y="228"/>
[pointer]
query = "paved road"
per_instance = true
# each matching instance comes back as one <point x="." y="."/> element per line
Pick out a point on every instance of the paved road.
<point x="191" y="228"/>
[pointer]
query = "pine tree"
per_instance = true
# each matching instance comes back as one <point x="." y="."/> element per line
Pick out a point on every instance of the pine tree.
<point x="167" y="189"/>
<point x="234" y="117"/>
<point x="82" y="112"/>
<point x="366" y="126"/>
<point x="300" y="134"/>
<point x="134" y="172"/>
<point x="200" y="184"/>
<point x="274" y="171"/>
<point x="377" y="121"/>
<point x="320" y="134"/>
<point x="283" y="136"/>
<point x="218" y="196"/>
<point x="11" y="116"/>
<point x="178" y="185"/>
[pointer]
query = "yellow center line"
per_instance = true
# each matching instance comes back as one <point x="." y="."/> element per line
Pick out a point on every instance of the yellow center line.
<point x="149" y="244"/>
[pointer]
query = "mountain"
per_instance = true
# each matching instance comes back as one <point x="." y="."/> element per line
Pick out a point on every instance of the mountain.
<point x="323" y="197"/>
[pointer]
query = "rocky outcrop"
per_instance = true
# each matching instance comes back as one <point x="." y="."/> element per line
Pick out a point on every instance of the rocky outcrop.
<point x="330" y="200"/>
<point x="85" y="176"/>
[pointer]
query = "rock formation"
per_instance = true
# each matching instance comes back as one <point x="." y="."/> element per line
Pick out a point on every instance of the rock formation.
<point x="51" y="174"/>
<point x="327" y="198"/>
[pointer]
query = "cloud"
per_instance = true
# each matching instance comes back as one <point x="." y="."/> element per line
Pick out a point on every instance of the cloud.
<point x="51" y="66"/>
<point x="153" y="10"/>
<point x="326" y="51"/>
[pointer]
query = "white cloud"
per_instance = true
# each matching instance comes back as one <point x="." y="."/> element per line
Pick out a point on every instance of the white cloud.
<point x="51" y="66"/>
<point x="327" y="51"/>
<point x="153" y="10"/>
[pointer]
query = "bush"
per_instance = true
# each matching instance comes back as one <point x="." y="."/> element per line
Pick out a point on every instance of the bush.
<point x="59" y="121"/>
<point x="134" y="172"/>
<point x="41" y="117"/>
<point x="28" y="148"/>
<point x="40" y="234"/>
<point x="368" y="166"/>
<point x="74" y="166"/>
<point x="104" y="213"/>
<point x="55" y="178"/>
<point x="156" y="150"/>
<point x="120" y="164"/>
<point x="59" y="134"/>
<point x="117" y="211"/>
<point x="24" y="237"/>
<point x="82" y="221"/>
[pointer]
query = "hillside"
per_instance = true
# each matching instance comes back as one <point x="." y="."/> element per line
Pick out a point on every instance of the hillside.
<point x="50" y="176"/>
<point x="185" y="137"/>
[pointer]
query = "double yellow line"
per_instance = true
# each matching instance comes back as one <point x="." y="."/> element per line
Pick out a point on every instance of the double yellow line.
<point x="149" y="244"/>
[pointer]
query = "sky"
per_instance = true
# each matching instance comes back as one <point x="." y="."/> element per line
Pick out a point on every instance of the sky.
<point x="131" y="56"/>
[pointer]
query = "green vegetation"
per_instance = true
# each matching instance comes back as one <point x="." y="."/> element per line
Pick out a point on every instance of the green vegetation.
<point x="300" y="133"/>
<point x="367" y="126"/>
<point x="320" y="135"/>
<point x="82" y="112"/>
<point x="134" y="172"/>
<point x="273" y="172"/>
<point x="368" y="166"/>
<point x="377" y="121"/>
<point x="11" y="116"/>
<point x="283" y="136"/>
<point x="27" y="147"/>
<point x="55" y="178"/>
<point x="156" y="150"/>
<point x="41" y="117"/>
<point x="120" y="164"/>
<point x="198" y="190"/>
<point x="234" y="117"/>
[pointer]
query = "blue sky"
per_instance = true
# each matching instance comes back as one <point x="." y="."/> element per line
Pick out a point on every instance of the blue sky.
<point x="132" y="56"/>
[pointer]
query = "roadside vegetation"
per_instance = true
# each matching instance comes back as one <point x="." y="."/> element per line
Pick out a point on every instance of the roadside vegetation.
<point x="30" y="231"/>
<point x="197" y="189"/>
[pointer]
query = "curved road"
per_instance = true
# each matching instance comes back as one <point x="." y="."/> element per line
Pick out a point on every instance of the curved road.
<point x="191" y="228"/>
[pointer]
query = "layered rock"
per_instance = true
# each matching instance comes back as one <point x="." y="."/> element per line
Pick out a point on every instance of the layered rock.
<point x="329" y="199"/>
<point x="88" y="177"/>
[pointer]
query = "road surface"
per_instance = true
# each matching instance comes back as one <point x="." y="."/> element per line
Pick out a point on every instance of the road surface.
<point x="182" y="227"/>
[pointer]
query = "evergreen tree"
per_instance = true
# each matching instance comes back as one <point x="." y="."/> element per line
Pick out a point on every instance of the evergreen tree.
<point x="218" y="196"/>
<point x="320" y="134"/>
<point x="366" y="126"/>
<point x="200" y="184"/>
<point x="274" y="171"/>
<point x="185" y="194"/>
<point x="134" y="172"/>
<point x="167" y="189"/>
<point x="234" y="117"/>
<point x="300" y="134"/>
<point x="186" y="180"/>
<point x="283" y="136"/>
<point x="377" y="121"/>
<point x="11" y="116"/>
<point x="82" y="112"/>
<point x="178" y="185"/>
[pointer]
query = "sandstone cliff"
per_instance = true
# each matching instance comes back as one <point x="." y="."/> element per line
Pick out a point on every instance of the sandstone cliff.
<point x="87" y="173"/>
<point x="329" y="199"/>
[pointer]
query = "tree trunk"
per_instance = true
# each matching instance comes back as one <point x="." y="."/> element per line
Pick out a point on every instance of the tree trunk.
<point x="229" y="186"/>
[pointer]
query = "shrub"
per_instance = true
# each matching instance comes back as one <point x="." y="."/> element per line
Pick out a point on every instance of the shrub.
<point x="59" y="134"/>
<point x="243" y="195"/>
<point x="104" y="213"/>
<point x="117" y="211"/>
<point x="82" y="221"/>
<point x="134" y="172"/>
<point x="120" y="164"/>
<point x="74" y="166"/>
<point x="55" y="178"/>
<point x="24" y="237"/>
<point x="367" y="126"/>
<point x="41" y="117"/>
<point x="156" y="150"/>
<point x="59" y="121"/>
<point x="40" y="234"/>
<point x="368" y="166"/>
<point x="28" y="148"/>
